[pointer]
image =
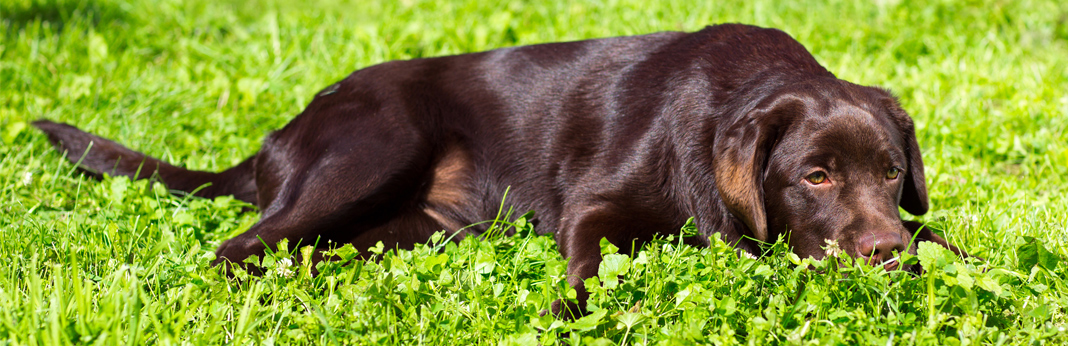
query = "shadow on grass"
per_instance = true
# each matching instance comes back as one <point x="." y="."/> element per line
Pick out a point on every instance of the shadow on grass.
<point x="17" y="14"/>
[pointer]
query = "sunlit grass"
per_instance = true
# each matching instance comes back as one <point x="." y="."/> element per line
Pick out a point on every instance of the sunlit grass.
<point x="199" y="83"/>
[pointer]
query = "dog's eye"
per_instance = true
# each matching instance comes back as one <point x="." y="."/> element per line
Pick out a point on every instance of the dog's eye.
<point x="816" y="178"/>
<point x="893" y="173"/>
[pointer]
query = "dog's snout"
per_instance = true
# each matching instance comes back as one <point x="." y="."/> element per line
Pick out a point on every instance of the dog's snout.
<point x="880" y="248"/>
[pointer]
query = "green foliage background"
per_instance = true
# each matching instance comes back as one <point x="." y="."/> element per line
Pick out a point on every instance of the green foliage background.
<point x="200" y="82"/>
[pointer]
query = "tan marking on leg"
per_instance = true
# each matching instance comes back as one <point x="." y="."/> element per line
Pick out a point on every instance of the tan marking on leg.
<point x="449" y="186"/>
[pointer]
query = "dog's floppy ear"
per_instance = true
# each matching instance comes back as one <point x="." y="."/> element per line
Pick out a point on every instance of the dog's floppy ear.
<point x="914" y="195"/>
<point x="741" y="149"/>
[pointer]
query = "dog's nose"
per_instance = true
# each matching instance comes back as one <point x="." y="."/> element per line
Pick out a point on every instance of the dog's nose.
<point x="879" y="247"/>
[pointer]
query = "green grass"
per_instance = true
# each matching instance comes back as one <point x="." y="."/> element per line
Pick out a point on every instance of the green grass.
<point x="200" y="82"/>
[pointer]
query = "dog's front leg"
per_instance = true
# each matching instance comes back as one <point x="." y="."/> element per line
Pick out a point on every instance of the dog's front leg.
<point x="580" y="242"/>
<point x="924" y="233"/>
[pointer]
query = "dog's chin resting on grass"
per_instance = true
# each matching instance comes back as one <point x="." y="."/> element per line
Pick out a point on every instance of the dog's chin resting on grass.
<point x="616" y="138"/>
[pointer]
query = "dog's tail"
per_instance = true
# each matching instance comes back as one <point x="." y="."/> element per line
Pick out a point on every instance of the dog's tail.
<point x="96" y="156"/>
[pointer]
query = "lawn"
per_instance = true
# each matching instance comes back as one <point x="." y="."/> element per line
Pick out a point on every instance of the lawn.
<point x="200" y="82"/>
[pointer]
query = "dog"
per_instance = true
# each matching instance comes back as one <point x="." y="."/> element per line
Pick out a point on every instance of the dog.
<point x="617" y="138"/>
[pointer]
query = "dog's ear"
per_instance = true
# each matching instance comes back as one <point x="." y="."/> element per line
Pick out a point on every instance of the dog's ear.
<point x="914" y="195"/>
<point x="740" y="155"/>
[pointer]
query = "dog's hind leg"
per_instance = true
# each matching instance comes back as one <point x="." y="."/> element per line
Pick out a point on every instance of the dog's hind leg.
<point x="324" y="173"/>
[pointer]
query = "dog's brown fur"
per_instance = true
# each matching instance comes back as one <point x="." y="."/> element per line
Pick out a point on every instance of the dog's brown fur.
<point x="617" y="138"/>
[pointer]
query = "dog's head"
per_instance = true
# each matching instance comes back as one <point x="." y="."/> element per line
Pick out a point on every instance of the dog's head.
<point x="824" y="161"/>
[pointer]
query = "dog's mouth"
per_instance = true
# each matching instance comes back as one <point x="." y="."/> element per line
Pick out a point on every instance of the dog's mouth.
<point x="832" y="249"/>
<point x="890" y="264"/>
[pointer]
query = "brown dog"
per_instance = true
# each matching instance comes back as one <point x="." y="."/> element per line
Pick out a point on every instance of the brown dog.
<point x="617" y="138"/>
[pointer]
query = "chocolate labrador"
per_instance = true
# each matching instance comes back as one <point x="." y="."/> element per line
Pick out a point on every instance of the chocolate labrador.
<point x="618" y="138"/>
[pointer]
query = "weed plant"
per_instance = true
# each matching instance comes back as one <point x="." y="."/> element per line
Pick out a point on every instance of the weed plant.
<point x="199" y="83"/>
